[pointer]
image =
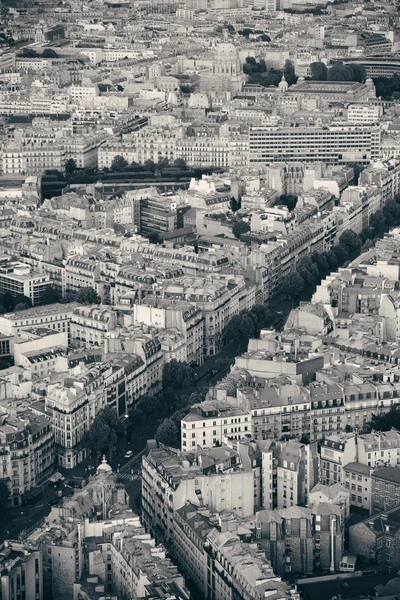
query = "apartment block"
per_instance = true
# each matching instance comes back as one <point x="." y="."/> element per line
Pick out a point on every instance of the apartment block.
<point x="297" y="473"/>
<point x="300" y="540"/>
<point x="208" y="424"/>
<point x="18" y="279"/>
<point x="26" y="448"/>
<point x="213" y="478"/>
<point x="331" y="145"/>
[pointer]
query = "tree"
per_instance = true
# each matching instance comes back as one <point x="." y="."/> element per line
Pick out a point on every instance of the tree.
<point x="319" y="72"/>
<point x="359" y="73"/>
<point x="49" y="53"/>
<point x="22" y="306"/>
<point x="104" y="433"/>
<point x="150" y="166"/>
<point x="287" y="200"/>
<point x="179" y="163"/>
<point x="234" y="204"/>
<point x="168" y="433"/>
<point x="28" y="53"/>
<point x="289" y="73"/>
<point x="119" y="163"/>
<point x="22" y="299"/>
<point x="4" y="493"/>
<point x="8" y="301"/>
<point x="385" y="421"/>
<point x="88" y="296"/>
<point x="377" y="222"/>
<point x="264" y="38"/>
<point x="341" y="254"/>
<point x="332" y="260"/>
<point x="70" y="166"/>
<point x="50" y="295"/>
<point x="96" y="439"/>
<point x="239" y="228"/>
<point x="351" y="241"/>
<point x="154" y="238"/>
<point x="177" y="375"/>
<point x="391" y="213"/>
<point x="149" y="404"/>
<point x="340" y="72"/>
<point x="292" y="285"/>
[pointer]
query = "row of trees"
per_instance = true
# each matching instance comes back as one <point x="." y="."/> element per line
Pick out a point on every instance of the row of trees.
<point x="169" y="406"/>
<point x="31" y="53"/>
<point x="248" y="324"/>
<point x="258" y="72"/>
<point x="338" y="72"/>
<point x="311" y="269"/>
<point x="387" y="87"/>
<point x="120" y="164"/>
<point x="103" y="435"/>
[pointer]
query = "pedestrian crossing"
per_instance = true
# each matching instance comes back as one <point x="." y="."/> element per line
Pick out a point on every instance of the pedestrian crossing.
<point x="128" y="477"/>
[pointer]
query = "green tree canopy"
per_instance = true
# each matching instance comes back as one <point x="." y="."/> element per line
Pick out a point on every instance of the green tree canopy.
<point x="177" y="375"/>
<point x="70" y="166"/>
<point x="168" y="433"/>
<point x="49" y="53"/>
<point x="51" y="295"/>
<point x="319" y="72"/>
<point x="292" y="285"/>
<point x="4" y="493"/>
<point x="103" y="435"/>
<point x="239" y="228"/>
<point x="87" y="296"/>
<point x="154" y="237"/>
<point x="351" y="241"/>
<point x="385" y="421"/>
<point x="340" y="72"/>
<point x="119" y="163"/>
<point x="179" y="163"/>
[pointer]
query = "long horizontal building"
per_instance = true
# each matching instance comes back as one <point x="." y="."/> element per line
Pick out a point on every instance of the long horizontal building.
<point x="314" y="144"/>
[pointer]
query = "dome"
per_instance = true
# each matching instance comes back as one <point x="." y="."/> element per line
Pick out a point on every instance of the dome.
<point x="283" y="84"/>
<point x="226" y="50"/>
<point x="104" y="467"/>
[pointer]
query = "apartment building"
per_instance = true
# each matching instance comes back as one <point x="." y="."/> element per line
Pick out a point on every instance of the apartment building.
<point x="336" y="452"/>
<point x="276" y="410"/>
<point x="52" y="316"/>
<point x="213" y="478"/>
<point x="205" y="151"/>
<point x="21" y="571"/>
<point x="376" y="539"/>
<point x="297" y="473"/>
<point x="90" y="324"/>
<point x="158" y="213"/>
<point x="26" y="448"/>
<point x="357" y="479"/>
<point x="185" y="317"/>
<point x="219" y="300"/>
<point x="302" y="540"/>
<point x="209" y="423"/>
<point x="17" y="279"/>
<point x="149" y="143"/>
<point x="385" y="489"/>
<point x="67" y="405"/>
<point x="309" y="144"/>
<point x="80" y="272"/>
<point x="213" y="552"/>
<point x="32" y="159"/>
<point x="133" y="563"/>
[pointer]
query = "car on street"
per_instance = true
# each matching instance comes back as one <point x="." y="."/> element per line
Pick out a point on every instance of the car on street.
<point x="128" y="454"/>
